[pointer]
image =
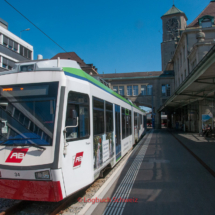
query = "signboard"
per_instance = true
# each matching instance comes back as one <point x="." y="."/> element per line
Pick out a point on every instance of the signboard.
<point x="105" y="148"/>
<point x="206" y="120"/>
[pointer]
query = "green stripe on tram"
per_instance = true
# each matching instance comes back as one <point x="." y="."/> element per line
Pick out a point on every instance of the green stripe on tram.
<point x="82" y="74"/>
<point x="118" y="158"/>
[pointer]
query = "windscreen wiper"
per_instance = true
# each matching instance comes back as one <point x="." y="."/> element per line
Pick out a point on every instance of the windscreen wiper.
<point x="30" y="144"/>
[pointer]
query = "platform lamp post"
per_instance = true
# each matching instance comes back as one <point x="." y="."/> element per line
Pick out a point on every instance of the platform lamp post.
<point x="28" y="29"/>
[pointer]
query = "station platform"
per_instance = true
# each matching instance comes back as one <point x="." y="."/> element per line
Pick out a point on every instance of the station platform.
<point x="162" y="177"/>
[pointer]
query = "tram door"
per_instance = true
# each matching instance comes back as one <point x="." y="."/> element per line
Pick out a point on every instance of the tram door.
<point x="77" y="162"/>
<point x="117" y="132"/>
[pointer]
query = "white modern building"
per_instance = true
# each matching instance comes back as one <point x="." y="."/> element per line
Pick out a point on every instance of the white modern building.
<point x="12" y="48"/>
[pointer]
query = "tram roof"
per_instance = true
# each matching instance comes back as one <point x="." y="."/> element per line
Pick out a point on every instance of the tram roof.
<point x="78" y="73"/>
<point x="70" y="68"/>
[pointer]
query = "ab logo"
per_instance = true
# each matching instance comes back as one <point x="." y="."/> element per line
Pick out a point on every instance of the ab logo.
<point x="78" y="159"/>
<point x="16" y="155"/>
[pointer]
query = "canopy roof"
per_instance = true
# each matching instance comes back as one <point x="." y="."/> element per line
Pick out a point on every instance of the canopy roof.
<point x="199" y="85"/>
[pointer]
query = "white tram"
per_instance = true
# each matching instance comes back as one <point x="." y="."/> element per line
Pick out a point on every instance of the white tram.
<point x="60" y="128"/>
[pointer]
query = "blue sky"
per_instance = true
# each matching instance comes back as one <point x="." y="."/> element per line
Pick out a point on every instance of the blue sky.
<point x="113" y="35"/>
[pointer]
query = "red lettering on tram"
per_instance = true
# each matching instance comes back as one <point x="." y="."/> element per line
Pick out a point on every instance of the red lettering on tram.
<point x="16" y="155"/>
<point x="78" y="159"/>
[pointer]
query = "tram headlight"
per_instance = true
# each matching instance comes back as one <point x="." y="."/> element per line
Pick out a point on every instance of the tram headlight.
<point x="42" y="175"/>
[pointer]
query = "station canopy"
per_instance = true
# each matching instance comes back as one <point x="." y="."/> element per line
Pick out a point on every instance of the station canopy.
<point x="198" y="85"/>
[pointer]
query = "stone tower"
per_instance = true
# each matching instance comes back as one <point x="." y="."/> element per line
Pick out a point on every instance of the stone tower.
<point x="174" y="20"/>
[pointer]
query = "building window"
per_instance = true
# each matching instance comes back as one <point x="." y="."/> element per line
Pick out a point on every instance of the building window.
<point x="168" y="90"/>
<point x="129" y="90"/>
<point x="25" y="52"/>
<point x="206" y="23"/>
<point x="121" y="90"/>
<point x="15" y="47"/>
<point x="149" y="90"/>
<point x="29" y="54"/>
<point x="163" y="90"/>
<point x="5" y="41"/>
<point x="10" y="43"/>
<point x="135" y="90"/>
<point x="115" y="89"/>
<point x="143" y="90"/>
<point x="22" y="50"/>
<point x="7" y="64"/>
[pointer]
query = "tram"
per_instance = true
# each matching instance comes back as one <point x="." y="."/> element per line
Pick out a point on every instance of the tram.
<point x="59" y="129"/>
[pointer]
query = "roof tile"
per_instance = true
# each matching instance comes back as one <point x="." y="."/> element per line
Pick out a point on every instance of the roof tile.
<point x="209" y="10"/>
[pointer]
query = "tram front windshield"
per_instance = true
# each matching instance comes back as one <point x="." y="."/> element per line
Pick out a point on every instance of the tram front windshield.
<point x="27" y="114"/>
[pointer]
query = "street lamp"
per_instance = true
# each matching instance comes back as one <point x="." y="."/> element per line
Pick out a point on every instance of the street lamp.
<point x="28" y="29"/>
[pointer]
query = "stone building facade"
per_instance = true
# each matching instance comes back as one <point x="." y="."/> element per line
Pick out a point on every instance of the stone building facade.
<point x="192" y="42"/>
<point x="193" y="62"/>
<point x="143" y="88"/>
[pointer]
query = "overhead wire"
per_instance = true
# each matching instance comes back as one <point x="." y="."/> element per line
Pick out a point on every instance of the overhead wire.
<point x="35" y="26"/>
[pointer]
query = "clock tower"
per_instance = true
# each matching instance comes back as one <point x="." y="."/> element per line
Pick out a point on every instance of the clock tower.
<point x="174" y="21"/>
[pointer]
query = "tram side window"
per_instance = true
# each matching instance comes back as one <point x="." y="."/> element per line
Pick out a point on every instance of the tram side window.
<point x="135" y="120"/>
<point x="141" y="119"/>
<point x="123" y="118"/>
<point x="109" y="117"/>
<point x="78" y="106"/>
<point x="129" y="123"/>
<point x="98" y="116"/>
